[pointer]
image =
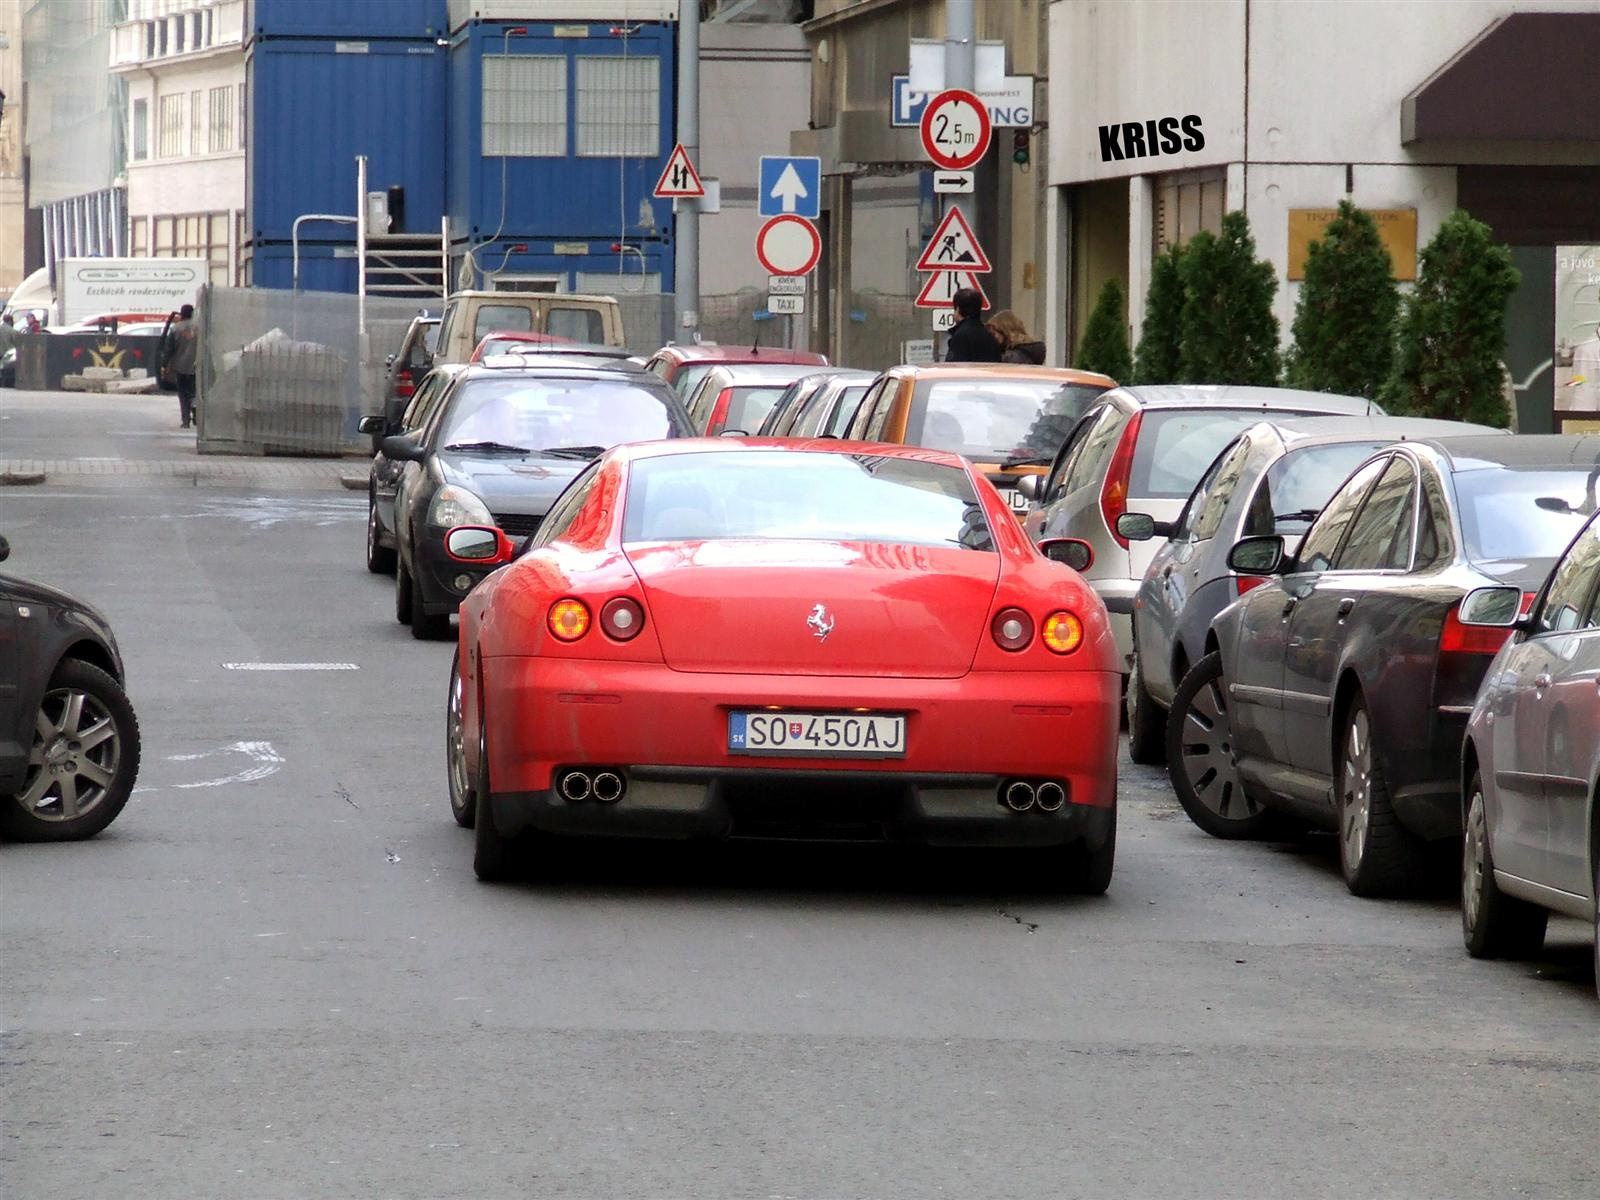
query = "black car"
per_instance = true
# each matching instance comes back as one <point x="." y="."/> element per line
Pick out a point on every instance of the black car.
<point x="1338" y="693"/>
<point x="499" y="444"/>
<point x="410" y="417"/>
<point x="69" y="740"/>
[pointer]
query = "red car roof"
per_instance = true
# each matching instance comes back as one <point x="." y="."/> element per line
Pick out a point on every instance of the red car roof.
<point x="723" y="445"/>
<point x="700" y="352"/>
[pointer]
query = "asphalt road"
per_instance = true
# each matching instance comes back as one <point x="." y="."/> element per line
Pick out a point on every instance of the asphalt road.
<point x="275" y="976"/>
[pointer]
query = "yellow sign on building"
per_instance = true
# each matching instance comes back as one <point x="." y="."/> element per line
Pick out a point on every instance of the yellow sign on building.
<point x="1396" y="226"/>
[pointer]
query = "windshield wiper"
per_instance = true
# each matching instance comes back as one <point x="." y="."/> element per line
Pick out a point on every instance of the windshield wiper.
<point x="573" y="451"/>
<point x="1027" y="462"/>
<point x="1300" y="514"/>
<point x="495" y="447"/>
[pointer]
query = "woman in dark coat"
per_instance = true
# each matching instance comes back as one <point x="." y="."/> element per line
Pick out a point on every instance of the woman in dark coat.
<point x="1017" y="344"/>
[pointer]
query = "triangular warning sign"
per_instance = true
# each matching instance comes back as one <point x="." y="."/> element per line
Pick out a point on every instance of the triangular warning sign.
<point x="953" y="247"/>
<point x="942" y="287"/>
<point x="679" y="178"/>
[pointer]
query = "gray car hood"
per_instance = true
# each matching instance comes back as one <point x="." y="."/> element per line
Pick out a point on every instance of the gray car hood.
<point x="509" y="483"/>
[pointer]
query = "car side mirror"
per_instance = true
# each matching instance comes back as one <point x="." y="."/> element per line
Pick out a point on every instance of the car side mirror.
<point x="1074" y="552"/>
<point x="5" y="548"/>
<point x="1028" y="488"/>
<point x="1492" y="607"/>
<point x="370" y="424"/>
<point x="1257" y="555"/>
<point x="733" y="433"/>
<point x="388" y="362"/>
<point x="402" y="448"/>
<point x="481" y="544"/>
<point x="1141" y="527"/>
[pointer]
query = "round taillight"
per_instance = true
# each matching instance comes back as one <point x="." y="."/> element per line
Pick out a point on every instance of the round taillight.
<point x="569" y="619"/>
<point x="621" y="618"/>
<point x="1063" y="632"/>
<point x="1012" y="629"/>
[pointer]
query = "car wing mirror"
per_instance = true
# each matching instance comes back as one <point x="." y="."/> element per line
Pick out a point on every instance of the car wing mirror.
<point x="733" y="433"/>
<point x="1257" y="555"/>
<point x="483" y="545"/>
<point x="373" y="423"/>
<point x="1028" y="486"/>
<point x="1141" y="527"/>
<point x="1492" y="607"/>
<point x="402" y="448"/>
<point x="1074" y="552"/>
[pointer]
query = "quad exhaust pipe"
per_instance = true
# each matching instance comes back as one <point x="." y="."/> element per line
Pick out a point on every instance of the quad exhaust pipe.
<point x="1049" y="796"/>
<point x="1019" y="795"/>
<point x="606" y="786"/>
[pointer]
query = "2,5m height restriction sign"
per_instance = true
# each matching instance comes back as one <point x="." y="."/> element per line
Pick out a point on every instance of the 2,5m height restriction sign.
<point x="955" y="130"/>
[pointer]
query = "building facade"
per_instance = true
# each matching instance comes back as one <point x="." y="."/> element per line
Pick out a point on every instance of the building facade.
<point x="13" y="198"/>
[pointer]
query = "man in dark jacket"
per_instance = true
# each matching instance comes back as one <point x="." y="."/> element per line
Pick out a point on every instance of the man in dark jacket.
<point x="969" y="340"/>
<point x="183" y="341"/>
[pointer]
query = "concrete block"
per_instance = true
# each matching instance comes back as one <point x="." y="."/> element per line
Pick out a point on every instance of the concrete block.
<point x="102" y="373"/>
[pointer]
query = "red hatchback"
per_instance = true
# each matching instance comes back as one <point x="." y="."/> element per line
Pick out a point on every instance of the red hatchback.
<point x="818" y="639"/>
<point x="685" y="366"/>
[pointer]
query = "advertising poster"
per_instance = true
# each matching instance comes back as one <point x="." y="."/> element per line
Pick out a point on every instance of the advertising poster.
<point x="1577" y="338"/>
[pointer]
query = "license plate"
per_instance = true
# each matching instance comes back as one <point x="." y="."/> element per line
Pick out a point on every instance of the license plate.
<point x="1018" y="502"/>
<point x="817" y="735"/>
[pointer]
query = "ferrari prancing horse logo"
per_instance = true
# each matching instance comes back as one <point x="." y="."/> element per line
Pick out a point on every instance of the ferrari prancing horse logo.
<point x="820" y="623"/>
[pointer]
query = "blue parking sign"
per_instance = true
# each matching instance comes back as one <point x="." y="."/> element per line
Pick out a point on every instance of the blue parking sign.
<point x="790" y="185"/>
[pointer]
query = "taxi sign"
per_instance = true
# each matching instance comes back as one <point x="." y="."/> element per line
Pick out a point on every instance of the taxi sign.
<point x="955" y="129"/>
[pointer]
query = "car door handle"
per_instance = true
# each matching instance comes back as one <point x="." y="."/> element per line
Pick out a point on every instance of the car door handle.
<point x="1345" y="607"/>
<point x="1542" y="681"/>
<point x="1289" y="605"/>
<point x="1166" y="572"/>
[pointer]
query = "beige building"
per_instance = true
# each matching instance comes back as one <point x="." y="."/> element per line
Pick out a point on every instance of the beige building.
<point x="13" y="203"/>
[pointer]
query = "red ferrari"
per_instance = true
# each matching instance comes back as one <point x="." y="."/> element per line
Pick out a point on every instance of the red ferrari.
<point x="741" y="637"/>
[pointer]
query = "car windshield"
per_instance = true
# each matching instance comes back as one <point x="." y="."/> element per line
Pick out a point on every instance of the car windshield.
<point x="689" y="376"/>
<point x="998" y="419"/>
<point x="1299" y="484"/>
<point x="543" y="414"/>
<point x="749" y="406"/>
<point x="806" y="496"/>
<point x="845" y="412"/>
<point x="1176" y="445"/>
<point x="1520" y="514"/>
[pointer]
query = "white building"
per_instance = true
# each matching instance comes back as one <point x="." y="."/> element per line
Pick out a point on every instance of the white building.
<point x="183" y="61"/>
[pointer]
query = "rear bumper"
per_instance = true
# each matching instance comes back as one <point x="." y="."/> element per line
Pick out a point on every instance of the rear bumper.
<point x="666" y="732"/>
<point x="1118" y="596"/>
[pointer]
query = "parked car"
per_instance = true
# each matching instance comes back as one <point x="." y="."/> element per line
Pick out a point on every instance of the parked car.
<point x="1010" y="420"/>
<point x="1338" y="692"/>
<point x="1143" y="449"/>
<point x="685" y="366"/>
<point x="738" y="396"/>
<point x="793" y="397"/>
<point x="497" y="447"/>
<point x="469" y="317"/>
<point x="1273" y="478"/>
<point x="383" y="478"/>
<point x="890" y="613"/>
<point x="407" y="365"/>
<point x="828" y="411"/>
<point x="69" y="739"/>
<point x="503" y="343"/>
<point x="1531" y="760"/>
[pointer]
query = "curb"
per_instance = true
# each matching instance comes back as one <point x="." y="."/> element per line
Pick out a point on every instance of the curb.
<point x="28" y="479"/>
<point x="354" y="483"/>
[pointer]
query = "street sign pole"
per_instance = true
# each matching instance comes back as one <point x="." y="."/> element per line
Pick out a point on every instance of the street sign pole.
<point x="686" y="289"/>
<point x="960" y="71"/>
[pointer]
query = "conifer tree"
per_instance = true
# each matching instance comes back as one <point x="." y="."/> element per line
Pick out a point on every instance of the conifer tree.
<point x="1163" y="313"/>
<point x="1452" y="331"/>
<point x="1344" y="318"/>
<point x="1104" y="347"/>
<point x="1229" y="332"/>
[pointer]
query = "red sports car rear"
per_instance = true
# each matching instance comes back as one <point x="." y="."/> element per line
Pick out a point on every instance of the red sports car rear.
<point x="824" y="639"/>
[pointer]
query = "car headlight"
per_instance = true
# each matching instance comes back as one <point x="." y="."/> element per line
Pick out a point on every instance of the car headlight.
<point x="454" y="506"/>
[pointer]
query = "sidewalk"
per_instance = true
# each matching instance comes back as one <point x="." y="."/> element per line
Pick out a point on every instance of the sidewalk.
<point x="49" y="437"/>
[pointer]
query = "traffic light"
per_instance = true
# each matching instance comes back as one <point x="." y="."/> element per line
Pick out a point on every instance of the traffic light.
<point x="1019" y="147"/>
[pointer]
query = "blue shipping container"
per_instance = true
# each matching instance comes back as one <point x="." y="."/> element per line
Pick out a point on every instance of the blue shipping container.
<point x="560" y="133"/>
<point x="316" y="104"/>
<point x="323" y="268"/>
<point x="645" y="266"/>
<point x="348" y="19"/>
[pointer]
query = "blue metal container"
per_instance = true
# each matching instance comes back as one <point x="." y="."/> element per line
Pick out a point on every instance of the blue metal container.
<point x="580" y="126"/>
<point x="315" y="104"/>
<point x="348" y="19"/>
<point x="323" y="268"/>
<point x="579" y="265"/>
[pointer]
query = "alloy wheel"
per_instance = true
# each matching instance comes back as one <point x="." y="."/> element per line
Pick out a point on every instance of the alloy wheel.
<point x="73" y="762"/>
<point x="1355" y="785"/>
<point x="1473" y="863"/>
<point x="1207" y="758"/>
<point x="461" y="797"/>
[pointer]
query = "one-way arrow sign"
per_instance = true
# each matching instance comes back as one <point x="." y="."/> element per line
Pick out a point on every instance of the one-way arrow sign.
<point x="789" y="185"/>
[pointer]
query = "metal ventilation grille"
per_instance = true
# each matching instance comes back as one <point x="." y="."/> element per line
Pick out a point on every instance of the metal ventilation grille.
<point x="524" y="105"/>
<point x="517" y="525"/>
<point x="619" y="107"/>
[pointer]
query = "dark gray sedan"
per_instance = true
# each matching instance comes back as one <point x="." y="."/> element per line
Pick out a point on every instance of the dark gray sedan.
<point x="1273" y="478"/>
<point x="1338" y="693"/>
<point x="1531" y="760"/>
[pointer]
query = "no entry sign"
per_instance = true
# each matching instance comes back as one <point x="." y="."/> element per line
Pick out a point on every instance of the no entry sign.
<point x="788" y="245"/>
<point x="955" y="130"/>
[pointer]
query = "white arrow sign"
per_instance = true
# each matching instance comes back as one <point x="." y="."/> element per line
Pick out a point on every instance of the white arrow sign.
<point x="788" y="189"/>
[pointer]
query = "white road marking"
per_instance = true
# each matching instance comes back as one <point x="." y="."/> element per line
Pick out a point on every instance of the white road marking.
<point x="268" y="761"/>
<point x="290" y="666"/>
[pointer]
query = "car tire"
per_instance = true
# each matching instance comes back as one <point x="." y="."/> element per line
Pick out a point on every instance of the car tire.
<point x="1093" y="865"/>
<point x="463" y="797"/>
<point x="380" y="558"/>
<point x="1200" y="757"/>
<point x="1378" y="856"/>
<point x="94" y="705"/>
<point x="1147" y="721"/>
<point x="402" y="592"/>
<point x="1597" y="925"/>
<point x="493" y="855"/>
<point x="1493" y="924"/>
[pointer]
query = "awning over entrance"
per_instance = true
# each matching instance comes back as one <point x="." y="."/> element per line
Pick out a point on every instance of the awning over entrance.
<point x="1528" y="77"/>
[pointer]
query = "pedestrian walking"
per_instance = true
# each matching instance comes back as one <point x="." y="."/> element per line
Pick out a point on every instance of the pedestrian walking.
<point x="1017" y="345"/>
<point x="969" y="340"/>
<point x="181" y="352"/>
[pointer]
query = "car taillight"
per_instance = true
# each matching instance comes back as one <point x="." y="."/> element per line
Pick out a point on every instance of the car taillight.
<point x="1114" y="492"/>
<point x="621" y="618"/>
<point x="1062" y="632"/>
<point x="1245" y="583"/>
<point x="1457" y="638"/>
<point x="404" y="385"/>
<point x="719" y="413"/>
<point x="1012" y="629"/>
<point x="569" y="619"/>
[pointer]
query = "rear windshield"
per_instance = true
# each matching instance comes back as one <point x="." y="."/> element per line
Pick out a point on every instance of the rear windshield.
<point x="807" y="496"/>
<point x="1299" y="484"/>
<point x="997" y="419"/>
<point x="1519" y="514"/>
<point x="543" y="414"/>
<point x="749" y="406"/>
<point x="689" y="377"/>
<point x="502" y="318"/>
<point x="1176" y="445"/>
<point x="849" y="401"/>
